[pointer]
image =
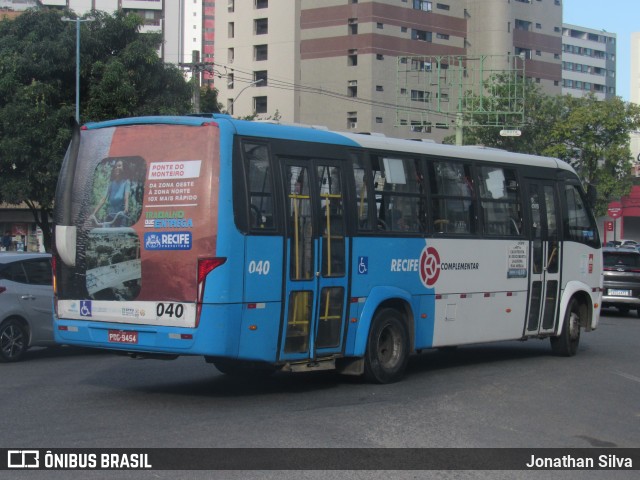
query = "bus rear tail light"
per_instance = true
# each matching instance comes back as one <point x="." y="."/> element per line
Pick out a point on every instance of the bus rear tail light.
<point x="55" y="285"/>
<point x="205" y="266"/>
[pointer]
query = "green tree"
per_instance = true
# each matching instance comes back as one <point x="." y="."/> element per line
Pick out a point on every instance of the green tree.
<point x="540" y="112"/>
<point x="126" y="75"/>
<point x="591" y="135"/>
<point x="209" y="100"/>
<point x="121" y="75"/>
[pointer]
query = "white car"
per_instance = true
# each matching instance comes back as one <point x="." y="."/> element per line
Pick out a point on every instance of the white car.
<point x="26" y="303"/>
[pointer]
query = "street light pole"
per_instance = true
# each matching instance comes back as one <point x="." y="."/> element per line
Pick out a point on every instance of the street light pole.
<point x="255" y="82"/>
<point x="78" y="22"/>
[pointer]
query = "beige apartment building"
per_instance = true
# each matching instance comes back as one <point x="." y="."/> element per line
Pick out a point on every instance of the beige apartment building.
<point x="588" y="62"/>
<point x="336" y="62"/>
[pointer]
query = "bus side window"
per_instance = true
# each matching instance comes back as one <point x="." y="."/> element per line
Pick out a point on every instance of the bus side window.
<point x="500" y="201"/>
<point x="361" y="194"/>
<point x="259" y="181"/>
<point x="579" y="225"/>
<point x="452" y="196"/>
<point x="399" y="192"/>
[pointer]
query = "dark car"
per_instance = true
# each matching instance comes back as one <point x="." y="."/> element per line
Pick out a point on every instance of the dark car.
<point x="26" y="303"/>
<point x="621" y="279"/>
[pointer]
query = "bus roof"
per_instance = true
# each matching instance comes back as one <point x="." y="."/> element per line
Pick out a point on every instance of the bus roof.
<point x="310" y="133"/>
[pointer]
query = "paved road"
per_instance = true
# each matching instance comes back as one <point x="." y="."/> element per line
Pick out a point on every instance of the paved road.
<point x="509" y="394"/>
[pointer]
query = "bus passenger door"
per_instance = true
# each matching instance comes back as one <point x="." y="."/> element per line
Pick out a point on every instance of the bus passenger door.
<point x="316" y="256"/>
<point x="545" y="251"/>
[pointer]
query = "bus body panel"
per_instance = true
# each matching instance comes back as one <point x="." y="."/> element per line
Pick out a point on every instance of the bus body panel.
<point x="377" y="296"/>
<point x="573" y="288"/>
<point x="217" y="334"/>
<point x="452" y="289"/>
<point x="141" y="260"/>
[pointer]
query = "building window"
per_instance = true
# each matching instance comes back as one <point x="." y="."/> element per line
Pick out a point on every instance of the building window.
<point x="353" y="26"/>
<point x="352" y="120"/>
<point x="379" y="56"/>
<point x="421" y="35"/>
<point x="423" y="5"/>
<point x="442" y="6"/>
<point x="442" y="36"/>
<point x="352" y="88"/>
<point x="260" y="77"/>
<point x="379" y="25"/>
<point x="261" y="26"/>
<point x="230" y="6"/>
<point x="522" y="25"/>
<point x="525" y="52"/>
<point x="420" y="96"/>
<point x="260" y="104"/>
<point x="403" y="29"/>
<point x="379" y="88"/>
<point x="378" y="119"/>
<point x="230" y="29"/>
<point x="352" y="58"/>
<point x="420" y="65"/>
<point x="230" y="55"/>
<point x="260" y="52"/>
<point x="261" y="4"/>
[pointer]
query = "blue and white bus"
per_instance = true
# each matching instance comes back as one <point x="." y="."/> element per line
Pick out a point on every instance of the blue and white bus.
<point x="267" y="246"/>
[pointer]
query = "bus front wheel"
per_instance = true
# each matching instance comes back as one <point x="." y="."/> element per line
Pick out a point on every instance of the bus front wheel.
<point x="387" y="351"/>
<point x="566" y="344"/>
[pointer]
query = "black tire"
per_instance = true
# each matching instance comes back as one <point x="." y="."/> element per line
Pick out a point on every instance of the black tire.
<point x="623" y="309"/>
<point x="566" y="344"/>
<point x="638" y="312"/>
<point x="14" y="340"/>
<point x="387" y="348"/>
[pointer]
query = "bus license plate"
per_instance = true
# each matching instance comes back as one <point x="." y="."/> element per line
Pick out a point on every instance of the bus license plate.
<point x="619" y="293"/>
<point x="120" y="336"/>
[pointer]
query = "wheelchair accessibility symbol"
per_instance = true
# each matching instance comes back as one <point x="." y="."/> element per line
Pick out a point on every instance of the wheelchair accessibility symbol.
<point x="85" y="308"/>
<point x="363" y="265"/>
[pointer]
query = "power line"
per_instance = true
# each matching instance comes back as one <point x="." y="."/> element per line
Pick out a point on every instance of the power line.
<point x="291" y="86"/>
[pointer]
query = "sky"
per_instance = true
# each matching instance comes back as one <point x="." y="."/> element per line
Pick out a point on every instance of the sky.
<point x="621" y="17"/>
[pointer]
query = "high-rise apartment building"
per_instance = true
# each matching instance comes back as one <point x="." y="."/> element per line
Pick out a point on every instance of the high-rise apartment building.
<point x="335" y="62"/>
<point x="186" y="25"/>
<point x="588" y="62"/>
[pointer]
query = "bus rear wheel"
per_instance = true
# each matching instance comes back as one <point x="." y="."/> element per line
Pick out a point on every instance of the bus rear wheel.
<point x="566" y="344"/>
<point x="387" y="348"/>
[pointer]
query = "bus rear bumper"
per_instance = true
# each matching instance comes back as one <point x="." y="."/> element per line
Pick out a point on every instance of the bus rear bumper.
<point x="228" y="338"/>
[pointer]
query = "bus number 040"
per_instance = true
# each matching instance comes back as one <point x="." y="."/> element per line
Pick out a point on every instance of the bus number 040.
<point x="260" y="267"/>
<point x="170" y="310"/>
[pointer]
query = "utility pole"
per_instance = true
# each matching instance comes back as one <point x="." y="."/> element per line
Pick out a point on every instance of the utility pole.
<point x="196" y="67"/>
<point x="77" y="21"/>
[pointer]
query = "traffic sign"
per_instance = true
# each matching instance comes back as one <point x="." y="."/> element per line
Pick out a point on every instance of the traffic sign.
<point x="510" y="133"/>
<point x="615" y="209"/>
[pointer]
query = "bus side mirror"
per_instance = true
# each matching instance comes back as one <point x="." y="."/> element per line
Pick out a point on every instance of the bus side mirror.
<point x="592" y="195"/>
